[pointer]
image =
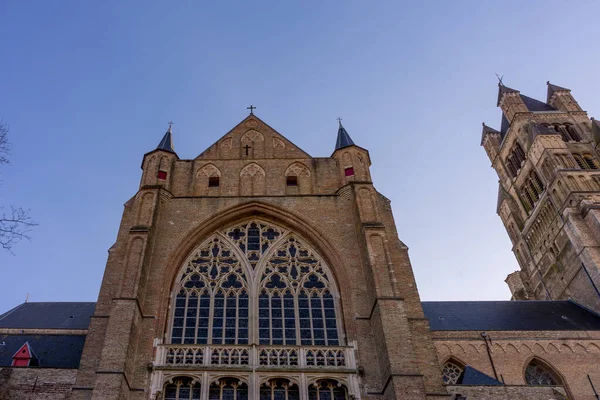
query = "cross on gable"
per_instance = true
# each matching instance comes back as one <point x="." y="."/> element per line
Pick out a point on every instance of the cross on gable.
<point x="251" y="108"/>
<point x="246" y="147"/>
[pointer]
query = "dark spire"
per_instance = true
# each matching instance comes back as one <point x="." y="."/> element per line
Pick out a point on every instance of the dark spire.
<point x="554" y="88"/>
<point x="487" y="130"/>
<point x="166" y="143"/>
<point x="502" y="90"/>
<point x="343" y="139"/>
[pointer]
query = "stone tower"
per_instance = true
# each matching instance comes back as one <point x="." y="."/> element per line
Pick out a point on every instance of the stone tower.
<point x="546" y="157"/>
<point x="256" y="271"/>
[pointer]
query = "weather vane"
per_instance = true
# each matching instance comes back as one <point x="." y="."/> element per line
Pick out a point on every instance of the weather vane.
<point x="500" y="79"/>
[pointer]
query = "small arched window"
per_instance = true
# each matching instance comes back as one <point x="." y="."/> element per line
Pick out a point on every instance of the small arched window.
<point x="579" y="161"/>
<point x="182" y="389"/>
<point x="574" y="135"/>
<point x="451" y="371"/>
<point x="538" y="373"/>
<point x="279" y="389"/>
<point x="327" y="389"/>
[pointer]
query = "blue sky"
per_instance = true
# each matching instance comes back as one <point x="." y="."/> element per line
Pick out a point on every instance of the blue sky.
<point x="88" y="87"/>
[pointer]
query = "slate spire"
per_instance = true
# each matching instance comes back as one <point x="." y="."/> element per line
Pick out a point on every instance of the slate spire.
<point x="343" y="139"/>
<point x="166" y="143"/>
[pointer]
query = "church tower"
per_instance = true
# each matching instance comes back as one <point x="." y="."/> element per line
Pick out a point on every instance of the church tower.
<point x="255" y="271"/>
<point x="546" y="158"/>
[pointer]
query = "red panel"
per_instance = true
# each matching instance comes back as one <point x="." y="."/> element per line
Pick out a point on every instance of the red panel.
<point x="20" y="362"/>
<point x="162" y="175"/>
<point x="349" y="171"/>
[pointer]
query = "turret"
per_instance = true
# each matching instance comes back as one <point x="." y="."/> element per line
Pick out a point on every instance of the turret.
<point x="158" y="164"/>
<point x="353" y="160"/>
<point x="510" y="101"/>
<point x="490" y="140"/>
<point x="561" y="98"/>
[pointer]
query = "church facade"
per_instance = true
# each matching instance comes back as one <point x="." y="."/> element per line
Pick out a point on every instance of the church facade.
<point x="255" y="271"/>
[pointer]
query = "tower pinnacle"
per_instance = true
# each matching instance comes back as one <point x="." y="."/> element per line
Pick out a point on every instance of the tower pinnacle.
<point x="166" y="143"/>
<point x="343" y="139"/>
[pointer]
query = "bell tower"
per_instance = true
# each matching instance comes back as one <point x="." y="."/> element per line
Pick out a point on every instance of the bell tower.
<point x="546" y="158"/>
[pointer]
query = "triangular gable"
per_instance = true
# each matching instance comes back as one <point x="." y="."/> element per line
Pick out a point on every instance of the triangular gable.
<point x="24" y="356"/>
<point x="252" y="138"/>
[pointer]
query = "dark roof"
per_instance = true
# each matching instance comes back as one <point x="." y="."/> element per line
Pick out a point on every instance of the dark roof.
<point x="48" y="316"/>
<point x="487" y="130"/>
<point x="343" y="139"/>
<point x="166" y="143"/>
<point x="502" y="195"/>
<point x="554" y="88"/>
<point x="527" y="315"/>
<point x="472" y="376"/>
<point x="536" y="105"/>
<point x="51" y="351"/>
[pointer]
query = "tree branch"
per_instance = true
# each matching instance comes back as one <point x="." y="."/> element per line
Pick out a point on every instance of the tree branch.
<point x="14" y="226"/>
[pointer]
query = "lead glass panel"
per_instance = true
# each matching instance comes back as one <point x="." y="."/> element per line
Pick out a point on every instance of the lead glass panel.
<point x="279" y="389"/>
<point x="295" y="301"/>
<point x="539" y="374"/>
<point x="182" y="389"/>
<point x="328" y="389"/>
<point x="211" y="305"/>
<point x="228" y="389"/>
<point x="451" y="371"/>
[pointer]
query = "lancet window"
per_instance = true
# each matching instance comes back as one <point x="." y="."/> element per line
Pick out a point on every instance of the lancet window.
<point x="228" y="389"/>
<point x="539" y="373"/>
<point x="212" y="301"/>
<point x="182" y="389"/>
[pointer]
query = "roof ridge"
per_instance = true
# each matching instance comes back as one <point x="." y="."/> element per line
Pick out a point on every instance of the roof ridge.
<point x="6" y="314"/>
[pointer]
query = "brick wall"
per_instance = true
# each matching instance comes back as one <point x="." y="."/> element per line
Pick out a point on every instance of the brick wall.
<point x="36" y="383"/>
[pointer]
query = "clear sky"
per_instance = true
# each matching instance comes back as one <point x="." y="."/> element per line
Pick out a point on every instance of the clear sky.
<point x="88" y="87"/>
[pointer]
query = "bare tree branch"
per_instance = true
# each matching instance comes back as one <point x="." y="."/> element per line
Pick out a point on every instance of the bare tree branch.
<point x="4" y="144"/>
<point x="16" y="223"/>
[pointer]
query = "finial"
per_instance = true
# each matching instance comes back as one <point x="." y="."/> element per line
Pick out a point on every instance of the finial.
<point x="547" y="82"/>
<point x="170" y="126"/>
<point x="500" y="83"/>
<point x="339" y="120"/>
<point x="27" y="298"/>
<point x="251" y="108"/>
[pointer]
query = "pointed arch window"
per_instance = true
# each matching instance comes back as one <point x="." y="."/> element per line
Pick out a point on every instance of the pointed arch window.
<point x="279" y="389"/>
<point x="327" y="389"/>
<point x="538" y="373"/>
<point x="451" y="371"/>
<point x="255" y="282"/>
<point x="212" y="301"/>
<point x="296" y="305"/>
<point x="228" y="389"/>
<point x="182" y="389"/>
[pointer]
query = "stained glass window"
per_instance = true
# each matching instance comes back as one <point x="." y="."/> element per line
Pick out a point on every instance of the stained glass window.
<point x="451" y="372"/>
<point x="182" y="389"/>
<point x="538" y="373"/>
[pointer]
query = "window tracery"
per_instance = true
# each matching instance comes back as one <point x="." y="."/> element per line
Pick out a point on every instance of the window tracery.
<point x="211" y="305"/>
<point x="327" y="389"/>
<point x="254" y="238"/>
<point x="279" y="389"/>
<point x="295" y="303"/>
<point x="451" y="371"/>
<point x="538" y="373"/>
<point x="228" y="389"/>
<point x="182" y="389"/>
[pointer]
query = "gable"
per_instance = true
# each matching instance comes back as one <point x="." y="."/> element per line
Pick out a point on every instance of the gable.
<point x="252" y="139"/>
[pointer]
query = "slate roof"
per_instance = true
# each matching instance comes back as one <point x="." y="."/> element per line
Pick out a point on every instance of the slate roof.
<point x="343" y="139"/>
<point x="166" y="143"/>
<point x="527" y="315"/>
<point x="504" y="89"/>
<point x="504" y="125"/>
<point x="472" y="376"/>
<point x="554" y="88"/>
<point x="536" y="105"/>
<point x="55" y="315"/>
<point x="52" y="351"/>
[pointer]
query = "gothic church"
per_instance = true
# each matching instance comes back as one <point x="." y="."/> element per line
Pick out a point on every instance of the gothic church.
<point x="256" y="271"/>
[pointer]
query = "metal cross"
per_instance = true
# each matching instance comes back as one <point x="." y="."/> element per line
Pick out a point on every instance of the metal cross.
<point x="339" y="120"/>
<point x="251" y="108"/>
<point x="171" y="124"/>
<point x="247" y="148"/>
